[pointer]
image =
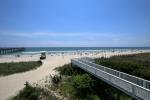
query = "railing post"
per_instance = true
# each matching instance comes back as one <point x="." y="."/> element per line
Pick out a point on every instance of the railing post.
<point x="144" y="84"/>
<point x="109" y="78"/>
<point x="104" y="69"/>
<point x="95" y="71"/>
<point x="119" y="74"/>
<point x="133" y="90"/>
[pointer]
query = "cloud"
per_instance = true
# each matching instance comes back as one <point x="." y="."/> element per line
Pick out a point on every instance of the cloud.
<point x="32" y="34"/>
<point x="70" y="39"/>
<point x="52" y="39"/>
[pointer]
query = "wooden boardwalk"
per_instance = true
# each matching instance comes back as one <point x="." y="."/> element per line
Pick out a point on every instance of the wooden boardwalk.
<point x="10" y="50"/>
<point x="136" y="87"/>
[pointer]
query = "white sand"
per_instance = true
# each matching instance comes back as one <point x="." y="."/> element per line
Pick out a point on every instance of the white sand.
<point x="10" y="85"/>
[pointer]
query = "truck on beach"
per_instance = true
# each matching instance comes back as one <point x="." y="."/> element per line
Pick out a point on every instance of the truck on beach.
<point x="43" y="55"/>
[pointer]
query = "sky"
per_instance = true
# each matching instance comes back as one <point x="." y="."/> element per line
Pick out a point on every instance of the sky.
<point x="74" y="23"/>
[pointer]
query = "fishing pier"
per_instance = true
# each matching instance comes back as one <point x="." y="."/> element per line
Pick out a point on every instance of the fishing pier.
<point x="10" y="50"/>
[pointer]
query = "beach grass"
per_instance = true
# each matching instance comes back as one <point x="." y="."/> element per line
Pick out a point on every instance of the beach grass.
<point x="80" y="85"/>
<point x="77" y="85"/>
<point x="30" y="92"/>
<point x="134" y="64"/>
<point x="74" y="83"/>
<point x="17" y="67"/>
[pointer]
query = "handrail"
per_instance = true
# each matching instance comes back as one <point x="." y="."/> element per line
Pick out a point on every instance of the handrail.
<point x="146" y="83"/>
<point x="128" y="87"/>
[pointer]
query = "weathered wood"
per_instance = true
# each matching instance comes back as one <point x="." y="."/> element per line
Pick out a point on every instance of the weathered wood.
<point x="10" y="50"/>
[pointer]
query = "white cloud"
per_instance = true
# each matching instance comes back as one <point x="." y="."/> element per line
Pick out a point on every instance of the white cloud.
<point x="32" y="34"/>
<point x="70" y="39"/>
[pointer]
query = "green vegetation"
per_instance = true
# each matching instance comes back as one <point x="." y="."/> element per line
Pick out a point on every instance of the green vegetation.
<point x="28" y="93"/>
<point x="77" y="85"/>
<point x="56" y="79"/>
<point x="80" y="85"/>
<point x="16" y="67"/>
<point x="135" y="64"/>
<point x="69" y="70"/>
<point x="33" y="93"/>
<point x="74" y="83"/>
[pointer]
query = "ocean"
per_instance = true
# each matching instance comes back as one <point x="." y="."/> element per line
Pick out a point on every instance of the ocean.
<point x="73" y="49"/>
<point x="50" y="50"/>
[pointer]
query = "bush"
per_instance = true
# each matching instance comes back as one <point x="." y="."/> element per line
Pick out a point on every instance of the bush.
<point x="34" y="93"/>
<point x="82" y="85"/>
<point x="79" y="85"/>
<point x="56" y="79"/>
<point x="69" y="69"/>
<point x="28" y="93"/>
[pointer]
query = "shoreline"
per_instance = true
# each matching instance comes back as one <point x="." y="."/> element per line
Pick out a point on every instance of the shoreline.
<point x="10" y="85"/>
<point x="94" y="53"/>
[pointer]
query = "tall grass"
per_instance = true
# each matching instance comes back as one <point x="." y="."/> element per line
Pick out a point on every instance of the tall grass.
<point x="134" y="64"/>
<point x="80" y="85"/>
<point x="16" y="67"/>
<point x="30" y="92"/>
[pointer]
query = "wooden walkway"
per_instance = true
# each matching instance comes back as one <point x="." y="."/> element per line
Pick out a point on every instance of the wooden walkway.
<point x="10" y="50"/>
<point x="136" y="87"/>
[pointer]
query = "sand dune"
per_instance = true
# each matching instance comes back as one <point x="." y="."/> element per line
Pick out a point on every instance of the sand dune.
<point x="10" y="85"/>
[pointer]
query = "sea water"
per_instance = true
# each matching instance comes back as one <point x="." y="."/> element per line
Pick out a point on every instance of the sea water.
<point x="35" y="50"/>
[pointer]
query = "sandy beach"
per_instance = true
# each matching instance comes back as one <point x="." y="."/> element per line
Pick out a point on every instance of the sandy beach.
<point x="10" y="85"/>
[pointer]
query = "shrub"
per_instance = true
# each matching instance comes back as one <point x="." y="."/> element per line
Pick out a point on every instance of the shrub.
<point x="56" y="79"/>
<point x="82" y="85"/>
<point x="28" y="93"/>
<point x="69" y="69"/>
